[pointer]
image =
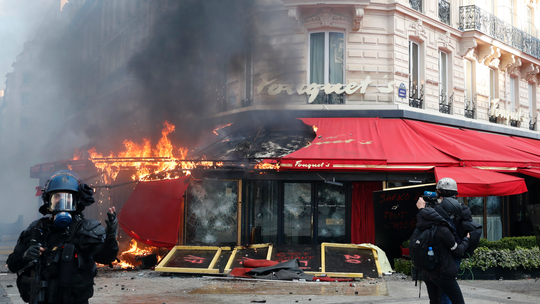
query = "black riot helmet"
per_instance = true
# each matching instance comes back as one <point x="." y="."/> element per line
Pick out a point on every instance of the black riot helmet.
<point x="452" y="207"/>
<point x="61" y="191"/>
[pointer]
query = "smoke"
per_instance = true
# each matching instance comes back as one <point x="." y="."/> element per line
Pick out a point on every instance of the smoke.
<point x="19" y="20"/>
<point x="97" y="92"/>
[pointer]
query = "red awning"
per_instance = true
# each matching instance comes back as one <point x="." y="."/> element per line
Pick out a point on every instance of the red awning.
<point x="473" y="148"/>
<point x="530" y="172"/>
<point x="365" y="144"/>
<point x="476" y="182"/>
<point x="152" y="213"/>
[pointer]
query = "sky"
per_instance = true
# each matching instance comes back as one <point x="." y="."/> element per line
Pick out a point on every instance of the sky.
<point x="19" y="20"/>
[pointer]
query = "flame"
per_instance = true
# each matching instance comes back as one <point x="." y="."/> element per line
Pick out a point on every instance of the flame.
<point x="216" y="129"/>
<point x="132" y="252"/>
<point x="77" y="155"/>
<point x="315" y="129"/>
<point x="159" y="163"/>
<point x="263" y="165"/>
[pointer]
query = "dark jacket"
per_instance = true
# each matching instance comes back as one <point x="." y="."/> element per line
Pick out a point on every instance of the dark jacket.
<point x="446" y="247"/>
<point x="69" y="278"/>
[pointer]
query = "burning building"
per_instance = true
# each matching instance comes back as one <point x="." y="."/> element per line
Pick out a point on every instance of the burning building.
<point x="303" y="122"/>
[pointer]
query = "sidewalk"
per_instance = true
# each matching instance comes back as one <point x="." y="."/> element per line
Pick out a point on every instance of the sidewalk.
<point x="147" y="286"/>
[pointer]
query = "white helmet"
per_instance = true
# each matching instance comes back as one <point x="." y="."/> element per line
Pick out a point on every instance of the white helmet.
<point x="447" y="184"/>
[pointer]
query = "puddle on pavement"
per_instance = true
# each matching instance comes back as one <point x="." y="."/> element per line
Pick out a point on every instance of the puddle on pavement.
<point x="376" y="288"/>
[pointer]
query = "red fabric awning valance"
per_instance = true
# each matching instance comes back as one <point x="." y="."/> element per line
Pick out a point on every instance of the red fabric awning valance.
<point x="473" y="148"/>
<point x="152" y="213"/>
<point x="530" y="172"/>
<point x="476" y="182"/>
<point x="365" y="144"/>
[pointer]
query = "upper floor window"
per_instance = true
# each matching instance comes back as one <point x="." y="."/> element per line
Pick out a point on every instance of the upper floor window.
<point x="492" y="84"/>
<point x="416" y="90"/>
<point x="513" y="92"/>
<point x="416" y="5"/>
<point x="443" y="74"/>
<point x="326" y="62"/>
<point x="528" y="27"/>
<point x="469" y="89"/>
<point x="506" y="11"/>
<point x="326" y="57"/>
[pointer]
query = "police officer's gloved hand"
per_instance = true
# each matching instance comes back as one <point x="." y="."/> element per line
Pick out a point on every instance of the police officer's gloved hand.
<point x="32" y="253"/>
<point x="112" y="224"/>
<point x="86" y="195"/>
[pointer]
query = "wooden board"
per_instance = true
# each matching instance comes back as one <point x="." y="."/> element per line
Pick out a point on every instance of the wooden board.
<point x="349" y="260"/>
<point x="309" y="256"/>
<point x="251" y="252"/>
<point x="395" y="217"/>
<point x="194" y="259"/>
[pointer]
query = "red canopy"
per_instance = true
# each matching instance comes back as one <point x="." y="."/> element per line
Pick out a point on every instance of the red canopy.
<point x="152" y="215"/>
<point x="365" y="144"/>
<point x="473" y="148"/>
<point x="534" y="172"/>
<point x="476" y="182"/>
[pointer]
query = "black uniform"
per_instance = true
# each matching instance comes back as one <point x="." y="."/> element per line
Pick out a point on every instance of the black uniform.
<point x="443" y="277"/>
<point x="68" y="263"/>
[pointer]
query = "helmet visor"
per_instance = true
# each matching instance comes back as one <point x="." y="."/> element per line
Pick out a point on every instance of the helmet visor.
<point x="62" y="201"/>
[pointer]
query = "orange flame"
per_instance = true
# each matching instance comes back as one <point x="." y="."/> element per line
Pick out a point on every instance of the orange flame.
<point x="315" y="129"/>
<point x="162" y="162"/>
<point x="216" y="129"/>
<point x="129" y="255"/>
<point x="267" y="166"/>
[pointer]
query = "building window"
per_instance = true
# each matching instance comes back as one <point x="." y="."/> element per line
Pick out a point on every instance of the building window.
<point x="528" y="22"/>
<point x="444" y="11"/>
<point x="416" y="5"/>
<point x="506" y="11"/>
<point x="532" y="102"/>
<point x="444" y="104"/>
<point x="469" y="87"/>
<point x="416" y="90"/>
<point x="513" y="91"/>
<point x="492" y="84"/>
<point x="326" y="59"/>
<point x="488" y="212"/>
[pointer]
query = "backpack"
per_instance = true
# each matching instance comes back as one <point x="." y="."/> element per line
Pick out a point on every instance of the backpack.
<point x="419" y="243"/>
<point x="475" y="229"/>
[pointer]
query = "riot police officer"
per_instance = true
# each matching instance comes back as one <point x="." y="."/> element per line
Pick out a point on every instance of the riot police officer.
<point x="55" y="256"/>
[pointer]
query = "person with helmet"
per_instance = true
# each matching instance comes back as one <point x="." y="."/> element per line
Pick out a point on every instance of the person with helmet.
<point x="442" y="280"/>
<point x="55" y="257"/>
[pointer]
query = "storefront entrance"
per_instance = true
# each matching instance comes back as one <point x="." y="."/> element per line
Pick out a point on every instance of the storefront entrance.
<point x="312" y="213"/>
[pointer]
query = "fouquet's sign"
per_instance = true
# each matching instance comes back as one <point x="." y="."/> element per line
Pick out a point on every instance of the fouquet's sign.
<point x="312" y="90"/>
<point x="505" y="114"/>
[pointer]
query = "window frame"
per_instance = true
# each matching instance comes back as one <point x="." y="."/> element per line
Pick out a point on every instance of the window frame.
<point x="416" y="62"/>
<point x="445" y="85"/>
<point x="326" y="54"/>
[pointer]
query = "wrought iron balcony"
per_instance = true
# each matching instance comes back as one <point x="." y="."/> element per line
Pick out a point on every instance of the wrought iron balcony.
<point x="332" y="98"/>
<point x="473" y="18"/>
<point x="416" y="5"/>
<point x="416" y="97"/>
<point x="470" y="107"/>
<point x="444" y="11"/>
<point x="445" y="107"/>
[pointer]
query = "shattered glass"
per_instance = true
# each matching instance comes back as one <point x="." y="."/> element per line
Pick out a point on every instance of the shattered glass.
<point x="211" y="213"/>
<point x="297" y="213"/>
<point x="264" y="211"/>
<point x="331" y="213"/>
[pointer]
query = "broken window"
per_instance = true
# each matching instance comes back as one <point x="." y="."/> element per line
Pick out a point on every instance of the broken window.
<point x="331" y="213"/>
<point x="264" y="211"/>
<point x="211" y="213"/>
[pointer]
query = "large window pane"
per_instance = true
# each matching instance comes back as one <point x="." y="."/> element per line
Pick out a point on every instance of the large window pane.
<point x="331" y="213"/>
<point x="317" y="58"/>
<point x="264" y="211"/>
<point x="297" y="213"/>
<point x="491" y="219"/>
<point x="211" y="213"/>
<point x="336" y="58"/>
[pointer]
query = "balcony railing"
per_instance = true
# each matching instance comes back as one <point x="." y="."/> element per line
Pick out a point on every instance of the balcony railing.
<point x="444" y="11"/>
<point x="416" y="97"/>
<point x="416" y="5"/>
<point x="445" y="107"/>
<point x="470" y="106"/>
<point x="473" y="18"/>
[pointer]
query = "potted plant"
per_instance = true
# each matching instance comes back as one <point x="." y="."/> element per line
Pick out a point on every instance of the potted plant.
<point x="405" y="249"/>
